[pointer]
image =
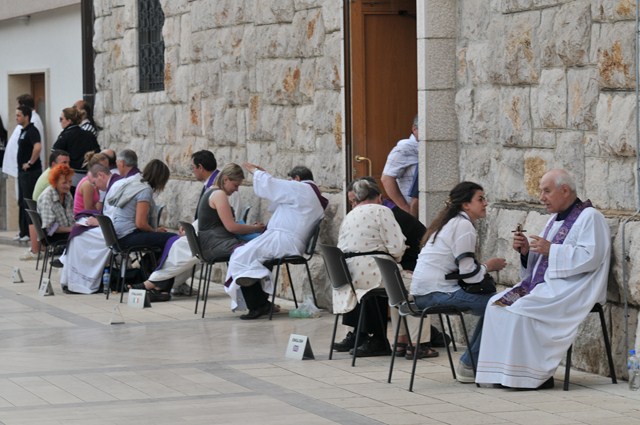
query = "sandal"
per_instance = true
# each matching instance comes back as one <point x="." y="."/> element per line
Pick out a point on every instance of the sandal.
<point x="400" y="350"/>
<point x="136" y="286"/>
<point x="423" y="352"/>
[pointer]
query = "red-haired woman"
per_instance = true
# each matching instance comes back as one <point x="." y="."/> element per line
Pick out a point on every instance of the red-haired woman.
<point x="55" y="204"/>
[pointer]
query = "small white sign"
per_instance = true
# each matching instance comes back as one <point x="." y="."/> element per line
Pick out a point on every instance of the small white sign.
<point x="45" y="288"/>
<point x="16" y="276"/>
<point x="299" y="348"/>
<point x="136" y="298"/>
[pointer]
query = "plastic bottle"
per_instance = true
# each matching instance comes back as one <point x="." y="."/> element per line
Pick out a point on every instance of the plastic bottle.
<point x="633" y="367"/>
<point x="106" y="280"/>
<point x="298" y="313"/>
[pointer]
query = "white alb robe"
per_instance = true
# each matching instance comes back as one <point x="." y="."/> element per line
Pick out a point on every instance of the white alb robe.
<point x="84" y="261"/>
<point x="523" y="344"/>
<point x="296" y="210"/>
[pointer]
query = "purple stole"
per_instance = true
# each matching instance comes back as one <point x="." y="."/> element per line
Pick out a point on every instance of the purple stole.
<point x="537" y="278"/>
<point x="323" y="201"/>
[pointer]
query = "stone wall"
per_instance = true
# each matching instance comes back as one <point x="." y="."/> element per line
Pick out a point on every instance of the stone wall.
<point x="257" y="81"/>
<point x="543" y="84"/>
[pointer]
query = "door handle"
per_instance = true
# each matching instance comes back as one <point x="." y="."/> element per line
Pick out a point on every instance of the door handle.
<point x="360" y="158"/>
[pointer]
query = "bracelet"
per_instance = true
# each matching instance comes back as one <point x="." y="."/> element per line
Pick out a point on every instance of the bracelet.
<point x="486" y="267"/>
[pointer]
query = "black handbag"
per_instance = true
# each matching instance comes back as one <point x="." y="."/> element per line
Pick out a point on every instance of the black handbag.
<point x="486" y="286"/>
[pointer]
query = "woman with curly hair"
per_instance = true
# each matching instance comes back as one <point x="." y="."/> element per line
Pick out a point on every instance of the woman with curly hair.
<point x="55" y="204"/>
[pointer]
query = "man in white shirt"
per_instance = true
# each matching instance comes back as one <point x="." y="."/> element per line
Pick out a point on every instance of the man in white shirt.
<point x="398" y="173"/>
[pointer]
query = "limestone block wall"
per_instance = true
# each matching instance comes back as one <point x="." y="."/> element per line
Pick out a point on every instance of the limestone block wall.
<point x="257" y="81"/>
<point x="543" y="84"/>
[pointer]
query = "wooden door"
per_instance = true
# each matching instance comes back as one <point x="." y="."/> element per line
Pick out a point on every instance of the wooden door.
<point x="383" y="80"/>
<point x="38" y="91"/>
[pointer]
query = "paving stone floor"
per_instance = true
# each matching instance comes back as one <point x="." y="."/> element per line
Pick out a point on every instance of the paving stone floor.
<point x="62" y="363"/>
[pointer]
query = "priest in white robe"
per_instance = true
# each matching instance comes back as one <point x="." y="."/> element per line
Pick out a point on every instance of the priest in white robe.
<point x="528" y="328"/>
<point x="296" y="207"/>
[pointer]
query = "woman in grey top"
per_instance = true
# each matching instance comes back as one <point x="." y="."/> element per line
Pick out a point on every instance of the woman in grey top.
<point x="216" y="222"/>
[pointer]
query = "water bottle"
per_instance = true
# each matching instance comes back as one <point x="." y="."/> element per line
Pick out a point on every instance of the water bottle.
<point x="633" y="367"/>
<point x="300" y="314"/>
<point x="106" y="280"/>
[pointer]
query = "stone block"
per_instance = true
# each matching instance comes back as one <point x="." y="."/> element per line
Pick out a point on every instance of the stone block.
<point x="520" y="61"/>
<point x="515" y="117"/>
<point x="582" y="89"/>
<point x="441" y="19"/>
<point x="572" y="29"/>
<point x="548" y="54"/>
<point x="570" y="155"/>
<point x="274" y="41"/>
<point x="613" y="10"/>
<point x="632" y="242"/>
<point x="607" y="182"/>
<point x="479" y="62"/>
<point x="497" y="241"/>
<point x="536" y="163"/>
<point x="475" y="19"/>
<point x="507" y="175"/>
<point x="328" y="69"/>
<point x="275" y="11"/>
<point x="235" y="87"/>
<point x="477" y="113"/>
<point x="308" y="33"/>
<point x="440" y="63"/>
<point x="544" y="139"/>
<point x="475" y="165"/>
<point x="615" y="119"/>
<point x="279" y="81"/>
<point x="441" y="118"/>
<point x="612" y="49"/>
<point x="441" y="163"/>
<point x="551" y="100"/>
<point x="332" y="15"/>
<point x="510" y="6"/>
<point x="323" y="101"/>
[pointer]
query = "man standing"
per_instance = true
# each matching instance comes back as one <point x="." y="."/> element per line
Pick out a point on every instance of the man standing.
<point x="29" y="165"/>
<point x="297" y="206"/>
<point x="528" y="328"/>
<point x="398" y="173"/>
<point x="8" y="164"/>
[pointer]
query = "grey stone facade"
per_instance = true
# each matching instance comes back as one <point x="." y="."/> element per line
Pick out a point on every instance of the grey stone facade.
<point x="506" y="90"/>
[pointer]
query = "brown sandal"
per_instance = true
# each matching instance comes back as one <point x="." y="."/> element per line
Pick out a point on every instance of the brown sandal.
<point x="424" y="352"/>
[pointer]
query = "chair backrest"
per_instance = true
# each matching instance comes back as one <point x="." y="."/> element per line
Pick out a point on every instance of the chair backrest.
<point x="36" y="220"/>
<point x="313" y="240"/>
<point x="31" y="204"/>
<point x="192" y="238"/>
<point x="245" y="214"/>
<point x="159" y="210"/>
<point x="336" y="266"/>
<point x="108" y="232"/>
<point x="392" y="280"/>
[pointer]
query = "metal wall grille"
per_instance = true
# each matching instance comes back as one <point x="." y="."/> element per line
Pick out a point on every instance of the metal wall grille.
<point x="150" y="45"/>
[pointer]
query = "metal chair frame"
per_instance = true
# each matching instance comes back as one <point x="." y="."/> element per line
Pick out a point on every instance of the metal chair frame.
<point x="339" y="275"/>
<point x="399" y="298"/>
<point x="49" y="246"/>
<point x="207" y="264"/>
<point x="111" y="240"/>
<point x="296" y="260"/>
<point x="33" y="205"/>
<point x="597" y="308"/>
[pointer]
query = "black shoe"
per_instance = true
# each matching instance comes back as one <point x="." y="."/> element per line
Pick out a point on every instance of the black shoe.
<point x="258" y="312"/>
<point x="438" y="339"/>
<point x="547" y="385"/>
<point x="57" y="264"/>
<point x="373" y="347"/>
<point x="348" y="342"/>
<point x="155" y="296"/>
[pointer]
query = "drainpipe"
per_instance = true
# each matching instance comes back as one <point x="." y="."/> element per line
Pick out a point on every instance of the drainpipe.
<point x="625" y="256"/>
<point x="88" y="73"/>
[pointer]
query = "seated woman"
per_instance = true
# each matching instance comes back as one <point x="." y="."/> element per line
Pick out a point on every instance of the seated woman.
<point x="55" y="204"/>
<point x="130" y="206"/>
<point x="369" y="227"/>
<point x="218" y="230"/>
<point x="451" y="234"/>
<point x="87" y="197"/>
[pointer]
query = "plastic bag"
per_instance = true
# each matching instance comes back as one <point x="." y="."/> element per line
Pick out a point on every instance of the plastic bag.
<point x="305" y="310"/>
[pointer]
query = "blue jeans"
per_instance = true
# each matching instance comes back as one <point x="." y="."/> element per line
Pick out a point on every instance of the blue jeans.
<point x="475" y="302"/>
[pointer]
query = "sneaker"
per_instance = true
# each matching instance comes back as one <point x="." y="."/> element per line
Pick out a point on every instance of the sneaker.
<point x="16" y="238"/>
<point x="25" y="239"/>
<point x="346" y="344"/>
<point x="373" y="347"/>
<point x="182" y="290"/>
<point x="464" y="374"/>
<point x="28" y="256"/>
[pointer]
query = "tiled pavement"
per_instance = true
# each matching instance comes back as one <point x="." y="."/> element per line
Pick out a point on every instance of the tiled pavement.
<point x="62" y="363"/>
